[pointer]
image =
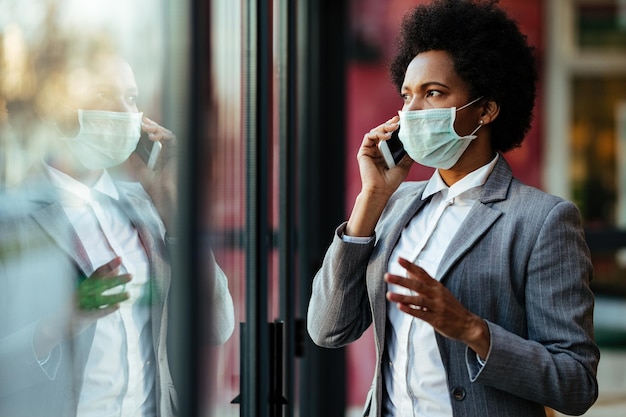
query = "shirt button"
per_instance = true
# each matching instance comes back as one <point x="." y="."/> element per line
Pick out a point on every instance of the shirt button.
<point x="458" y="393"/>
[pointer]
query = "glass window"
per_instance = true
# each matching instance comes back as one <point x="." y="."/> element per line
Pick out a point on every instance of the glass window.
<point x="601" y="25"/>
<point x="89" y="227"/>
<point x="594" y="146"/>
<point x="227" y="199"/>
<point x="595" y="172"/>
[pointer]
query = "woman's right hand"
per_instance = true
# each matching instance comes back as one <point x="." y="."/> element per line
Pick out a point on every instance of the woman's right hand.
<point x="376" y="177"/>
<point x="378" y="182"/>
<point x="91" y="302"/>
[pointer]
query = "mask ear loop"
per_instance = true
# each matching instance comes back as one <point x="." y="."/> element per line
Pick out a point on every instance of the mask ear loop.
<point x="480" y="124"/>
<point x="470" y="103"/>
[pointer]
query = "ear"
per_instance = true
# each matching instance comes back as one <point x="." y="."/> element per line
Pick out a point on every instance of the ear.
<point x="490" y="112"/>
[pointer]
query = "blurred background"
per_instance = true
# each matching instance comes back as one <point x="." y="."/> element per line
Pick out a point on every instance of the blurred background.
<point x="270" y="101"/>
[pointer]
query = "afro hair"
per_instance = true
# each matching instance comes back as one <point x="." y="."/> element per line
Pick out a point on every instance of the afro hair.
<point x="489" y="52"/>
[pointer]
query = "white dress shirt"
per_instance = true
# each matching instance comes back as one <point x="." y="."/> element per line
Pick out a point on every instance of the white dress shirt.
<point x="415" y="379"/>
<point x="119" y="377"/>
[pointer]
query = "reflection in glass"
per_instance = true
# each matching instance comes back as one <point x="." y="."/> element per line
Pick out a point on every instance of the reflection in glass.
<point x="227" y="198"/>
<point x="88" y="230"/>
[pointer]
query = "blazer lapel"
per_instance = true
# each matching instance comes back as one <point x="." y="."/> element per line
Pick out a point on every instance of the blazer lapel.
<point x="476" y="225"/>
<point x="143" y="216"/>
<point x="376" y="285"/>
<point x="481" y="217"/>
<point x="54" y="222"/>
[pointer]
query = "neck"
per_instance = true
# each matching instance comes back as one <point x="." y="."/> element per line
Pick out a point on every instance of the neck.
<point x="458" y="172"/>
<point x="477" y="154"/>
<point x="75" y="170"/>
<point x="467" y="163"/>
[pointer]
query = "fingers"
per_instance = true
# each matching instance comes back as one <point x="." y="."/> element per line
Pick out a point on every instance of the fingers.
<point x="413" y="270"/>
<point x="409" y="303"/>
<point x="420" y="285"/>
<point x="165" y="136"/>
<point x="429" y="300"/>
<point x="369" y="146"/>
<point x="91" y="292"/>
<point x="105" y="304"/>
<point x="98" y="285"/>
<point x="157" y="132"/>
<point x="383" y="131"/>
<point x="416" y="280"/>
<point x="108" y="269"/>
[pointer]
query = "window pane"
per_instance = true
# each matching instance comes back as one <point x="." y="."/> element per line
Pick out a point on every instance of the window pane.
<point x="594" y="146"/>
<point x="594" y="172"/>
<point x="601" y="24"/>
<point x="85" y="248"/>
<point x="227" y="199"/>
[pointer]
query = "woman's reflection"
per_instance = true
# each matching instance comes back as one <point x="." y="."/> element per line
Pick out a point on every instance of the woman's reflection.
<point x="85" y="253"/>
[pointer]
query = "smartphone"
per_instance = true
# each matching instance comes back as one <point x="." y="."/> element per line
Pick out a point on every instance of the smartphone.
<point x="392" y="149"/>
<point x="148" y="150"/>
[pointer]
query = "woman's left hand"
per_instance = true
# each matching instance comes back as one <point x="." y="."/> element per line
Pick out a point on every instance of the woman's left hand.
<point x="158" y="133"/>
<point x="432" y="302"/>
<point x="161" y="184"/>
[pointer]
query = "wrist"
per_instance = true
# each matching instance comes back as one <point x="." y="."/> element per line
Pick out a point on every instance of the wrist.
<point x="375" y="194"/>
<point x="365" y="214"/>
<point x="479" y="338"/>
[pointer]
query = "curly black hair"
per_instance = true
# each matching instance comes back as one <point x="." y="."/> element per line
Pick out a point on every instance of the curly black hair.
<point x="489" y="52"/>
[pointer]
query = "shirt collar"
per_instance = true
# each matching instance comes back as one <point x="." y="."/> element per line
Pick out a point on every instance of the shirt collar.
<point x="474" y="179"/>
<point x="71" y="187"/>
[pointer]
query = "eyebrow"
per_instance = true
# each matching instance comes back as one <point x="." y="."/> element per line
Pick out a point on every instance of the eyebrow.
<point x="112" y="86"/>
<point x="427" y="84"/>
<point x="431" y="83"/>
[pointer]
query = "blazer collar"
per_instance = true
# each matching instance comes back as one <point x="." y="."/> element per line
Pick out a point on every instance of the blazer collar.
<point x="481" y="217"/>
<point x="52" y="218"/>
<point x="497" y="185"/>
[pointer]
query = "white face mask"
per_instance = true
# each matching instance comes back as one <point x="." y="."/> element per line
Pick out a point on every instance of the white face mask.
<point x="105" y="138"/>
<point x="429" y="138"/>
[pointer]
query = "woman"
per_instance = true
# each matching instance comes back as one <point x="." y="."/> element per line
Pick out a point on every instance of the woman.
<point x="477" y="285"/>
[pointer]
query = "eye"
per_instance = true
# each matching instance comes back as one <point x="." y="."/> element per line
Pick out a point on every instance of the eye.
<point x="433" y="93"/>
<point x="131" y="99"/>
<point x="405" y="97"/>
<point x="104" y="94"/>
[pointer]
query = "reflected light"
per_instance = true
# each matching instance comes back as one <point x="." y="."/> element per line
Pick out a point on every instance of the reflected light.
<point x="16" y="77"/>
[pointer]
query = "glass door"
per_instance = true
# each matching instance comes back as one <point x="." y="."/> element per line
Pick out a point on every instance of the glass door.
<point x="276" y="195"/>
<point x="252" y="203"/>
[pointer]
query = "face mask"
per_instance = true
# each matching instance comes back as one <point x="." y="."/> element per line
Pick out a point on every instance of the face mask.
<point x="105" y="138"/>
<point x="429" y="138"/>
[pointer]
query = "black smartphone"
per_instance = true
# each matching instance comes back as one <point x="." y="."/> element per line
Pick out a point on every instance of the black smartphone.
<point x="392" y="149"/>
<point x="148" y="150"/>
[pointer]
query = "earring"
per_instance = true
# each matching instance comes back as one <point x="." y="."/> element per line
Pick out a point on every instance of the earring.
<point x="480" y="122"/>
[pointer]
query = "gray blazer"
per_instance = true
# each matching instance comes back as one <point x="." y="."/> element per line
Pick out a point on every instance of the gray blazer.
<point x="520" y="262"/>
<point x="41" y="260"/>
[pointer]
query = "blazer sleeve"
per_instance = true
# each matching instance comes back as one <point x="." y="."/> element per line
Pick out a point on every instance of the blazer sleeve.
<point x="556" y="363"/>
<point x="339" y="311"/>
